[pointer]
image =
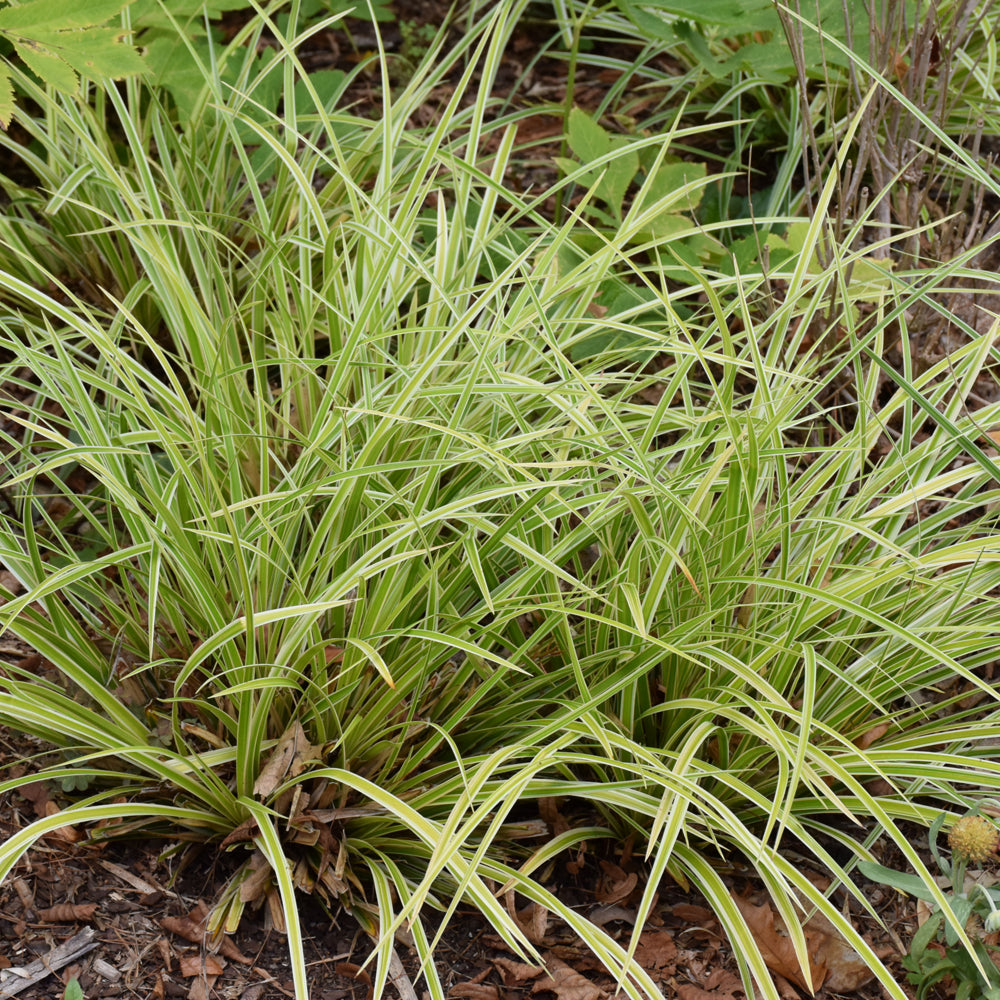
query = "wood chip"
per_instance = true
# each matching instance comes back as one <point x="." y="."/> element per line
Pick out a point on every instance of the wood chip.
<point x="399" y="978"/>
<point x="106" y="970"/>
<point x="133" y="880"/>
<point x="14" y="980"/>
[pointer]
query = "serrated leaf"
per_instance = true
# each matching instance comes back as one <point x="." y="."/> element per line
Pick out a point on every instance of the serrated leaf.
<point x="568" y="166"/>
<point x="589" y="142"/>
<point x="6" y="96"/>
<point x="619" y="174"/>
<point x="327" y="83"/>
<point x="58" y="39"/>
<point x="37" y="16"/>
<point x="173" y="66"/>
<point x="48" y="67"/>
<point x="94" y="52"/>
<point x="648" y="21"/>
<point x="743" y="15"/>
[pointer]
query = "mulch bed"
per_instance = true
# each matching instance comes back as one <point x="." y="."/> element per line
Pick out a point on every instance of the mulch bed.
<point x="136" y="906"/>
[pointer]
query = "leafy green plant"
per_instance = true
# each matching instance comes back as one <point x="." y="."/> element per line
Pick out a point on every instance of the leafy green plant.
<point x="936" y="952"/>
<point x="369" y="556"/>
<point x="748" y="36"/>
<point x="59" y="41"/>
<point x="669" y="189"/>
<point x="608" y="164"/>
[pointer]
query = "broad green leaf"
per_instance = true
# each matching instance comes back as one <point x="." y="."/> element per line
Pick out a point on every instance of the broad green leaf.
<point x="586" y="138"/>
<point x="326" y="82"/>
<point x="187" y="14"/>
<point x="92" y="52"/>
<point x="590" y="142"/>
<point x="904" y="881"/>
<point x="57" y="39"/>
<point x="47" y="66"/>
<point x="727" y="13"/>
<point x="36" y="16"/>
<point x="618" y="175"/>
<point x="173" y="66"/>
<point x="668" y="178"/>
<point x="648" y="21"/>
<point x="771" y="61"/>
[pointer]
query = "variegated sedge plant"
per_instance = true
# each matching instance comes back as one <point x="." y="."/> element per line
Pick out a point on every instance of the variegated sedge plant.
<point x="369" y="558"/>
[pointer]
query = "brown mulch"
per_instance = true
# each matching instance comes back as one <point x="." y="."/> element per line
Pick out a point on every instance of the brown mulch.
<point x="143" y="905"/>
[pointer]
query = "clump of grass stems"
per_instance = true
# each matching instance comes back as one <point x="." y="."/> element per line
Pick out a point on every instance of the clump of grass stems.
<point x="348" y="496"/>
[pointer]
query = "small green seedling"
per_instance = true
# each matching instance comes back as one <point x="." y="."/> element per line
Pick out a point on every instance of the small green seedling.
<point x="74" y="991"/>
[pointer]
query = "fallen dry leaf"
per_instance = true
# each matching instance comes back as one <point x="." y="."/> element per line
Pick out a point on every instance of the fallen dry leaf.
<point x="247" y="830"/>
<point x="288" y="759"/>
<point x="834" y="964"/>
<point x="567" y="983"/>
<point x="656" y="951"/>
<point x="352" y="971"/>
<point x="166" y="955"/>
<point x="65" y="913"/>
<point x="201" y="988"/>
<point x="204" y="964"/>
<point x="701" y="916"/>
<point x="37" y="793"/>
<point x="606" y="914"/>
<point x="617" y="885"/>
<point x="548" y="809"/>
<point x="720" y="984"/>
<point x="688" y="991"/>
<point x="846" y="971"/>
<point x="533" y="920"/>
<point x="723" y="982"/>
<point x="866" y="739"/>
<point x="475" y="991"/>
<point x="66" y="834"/>
<point x="785" y="989"/>
<point x="517" y="972"/>
<point x="192" y="928"/>
<point x="775" y="945"/>
<point x="184" y="927"/>
<point x="24" y="894"/>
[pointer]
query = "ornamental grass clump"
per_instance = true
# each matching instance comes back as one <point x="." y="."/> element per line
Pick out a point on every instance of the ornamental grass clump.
<point x="338" y="549"/>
